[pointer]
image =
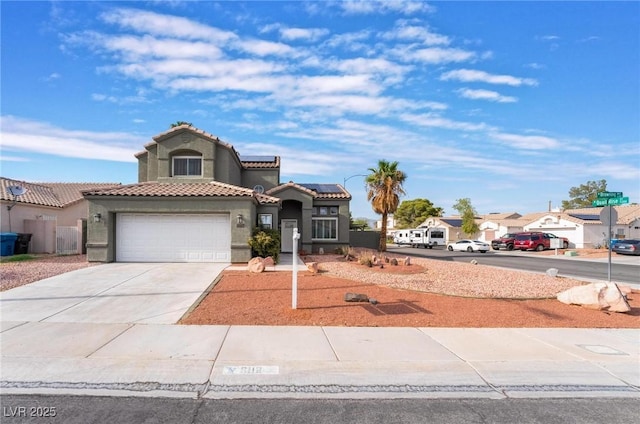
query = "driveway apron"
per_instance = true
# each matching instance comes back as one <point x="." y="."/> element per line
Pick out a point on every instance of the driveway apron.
<point x="151" y="293"/>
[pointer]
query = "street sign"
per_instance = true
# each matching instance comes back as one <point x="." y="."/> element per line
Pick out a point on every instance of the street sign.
<point x="600" y="202"/>
<point x="618" y="201"/>
<point x="609" y="194"/>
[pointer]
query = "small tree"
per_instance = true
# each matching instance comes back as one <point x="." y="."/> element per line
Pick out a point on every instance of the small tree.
<point x="412" y="213"/>
<point x="583" y="195"/>
<point x="468" y="214"/>
<point x="265" y="242"/>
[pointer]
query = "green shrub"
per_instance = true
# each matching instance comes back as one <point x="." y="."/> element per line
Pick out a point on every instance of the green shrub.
<point x="265" y="242"/>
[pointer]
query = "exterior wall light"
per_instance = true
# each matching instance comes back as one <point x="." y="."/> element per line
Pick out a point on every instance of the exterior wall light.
<point x="240" y="220"/>
<point x="97" y="217"/>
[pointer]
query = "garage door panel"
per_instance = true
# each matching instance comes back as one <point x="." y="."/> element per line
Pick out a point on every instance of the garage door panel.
<point x="173" y="238"/>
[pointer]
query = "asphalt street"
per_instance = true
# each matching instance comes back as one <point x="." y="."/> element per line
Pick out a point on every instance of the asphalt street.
<point x="623" y="269"/>
<point x="89" y="409"/>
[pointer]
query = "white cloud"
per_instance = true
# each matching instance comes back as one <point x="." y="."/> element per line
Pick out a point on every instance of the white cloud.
<point x="438" y="55"/>
<point x="526" y="142"/>
<point x="368" y="7"/>
<point x="165" y="25"/>
<point x="492" y="96"/>
<point x="24" y="135"/>
<point x="437" y="121"/>
<point x="307" y="34"/>
<point x="470" y="75"/>
<point x="406" y="30"/>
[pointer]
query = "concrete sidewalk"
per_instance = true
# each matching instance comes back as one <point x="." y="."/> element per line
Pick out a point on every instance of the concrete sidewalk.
<point x="109" y="330"/>
<point x="333" y="362"/>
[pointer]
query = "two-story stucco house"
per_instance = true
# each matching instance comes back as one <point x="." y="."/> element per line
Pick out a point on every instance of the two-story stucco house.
<point x="198" y="200"/>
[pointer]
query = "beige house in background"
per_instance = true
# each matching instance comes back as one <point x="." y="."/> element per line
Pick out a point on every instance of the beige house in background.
<point x="46" y="211"/>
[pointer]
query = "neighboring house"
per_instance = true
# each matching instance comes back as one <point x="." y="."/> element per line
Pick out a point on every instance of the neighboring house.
<point x="583" y="227"/>
<point x="198" y="200"/>
<point x="391" y="225"/>
<point x="452" y="227"/>
<point x="50" y="212"/>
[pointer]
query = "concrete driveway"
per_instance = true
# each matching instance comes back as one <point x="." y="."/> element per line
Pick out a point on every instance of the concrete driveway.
<point x="150" y="293"/>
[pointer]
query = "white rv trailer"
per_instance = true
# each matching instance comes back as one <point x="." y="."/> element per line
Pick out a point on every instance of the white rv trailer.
<point x="427" y="237"/>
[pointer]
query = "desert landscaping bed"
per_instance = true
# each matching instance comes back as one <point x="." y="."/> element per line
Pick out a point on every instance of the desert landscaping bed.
<point x="426" y="293"/>
<point x="39" y="267"/>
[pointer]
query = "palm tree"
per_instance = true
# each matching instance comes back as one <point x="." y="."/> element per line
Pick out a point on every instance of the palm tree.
<point x="384" y="188"/>
<point x="178" y="123"/>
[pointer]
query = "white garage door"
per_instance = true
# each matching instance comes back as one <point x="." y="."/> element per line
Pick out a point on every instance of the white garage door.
<point x="172" y="238"/>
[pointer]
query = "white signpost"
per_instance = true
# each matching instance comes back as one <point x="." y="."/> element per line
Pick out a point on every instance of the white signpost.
<point x="294" y="274"/>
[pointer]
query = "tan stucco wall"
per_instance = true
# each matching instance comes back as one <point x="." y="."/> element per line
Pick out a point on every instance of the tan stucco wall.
<point x="267" y="178"/>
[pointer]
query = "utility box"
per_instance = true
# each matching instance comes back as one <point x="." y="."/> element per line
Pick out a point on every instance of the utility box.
<point x="8" y="243"/>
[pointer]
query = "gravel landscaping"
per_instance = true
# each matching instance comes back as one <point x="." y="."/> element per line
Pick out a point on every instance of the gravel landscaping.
<point x="15" y="274"/>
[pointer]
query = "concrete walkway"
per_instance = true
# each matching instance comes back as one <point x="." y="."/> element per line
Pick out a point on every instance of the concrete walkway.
<point x="53" y="340"/>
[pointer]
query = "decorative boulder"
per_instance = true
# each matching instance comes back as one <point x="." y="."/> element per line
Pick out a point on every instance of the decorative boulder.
<point x="268" y="261"/>
<point x="313" y="267"/>
<point x="596" y="296"/>
<point x="355" y="297"/>
<point x="393" y="261"/>
<point x="256" y="265"/>
<point x="552" y="272"/>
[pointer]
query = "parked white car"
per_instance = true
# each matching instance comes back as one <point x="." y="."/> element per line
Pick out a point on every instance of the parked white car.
<point x="469" y="246"/>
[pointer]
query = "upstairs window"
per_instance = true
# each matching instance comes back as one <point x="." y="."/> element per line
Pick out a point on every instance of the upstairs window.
<point x="187" y="166"/>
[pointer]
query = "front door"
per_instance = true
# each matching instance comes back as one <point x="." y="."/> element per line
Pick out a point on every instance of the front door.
<point x="286" y="234"/>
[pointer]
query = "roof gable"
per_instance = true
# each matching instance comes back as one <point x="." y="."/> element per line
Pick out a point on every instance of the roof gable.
<point x="317" y="191"/>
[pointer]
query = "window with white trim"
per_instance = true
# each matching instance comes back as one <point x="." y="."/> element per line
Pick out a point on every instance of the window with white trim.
<point x="324" y="228"/>
<point x="187" y="166"/>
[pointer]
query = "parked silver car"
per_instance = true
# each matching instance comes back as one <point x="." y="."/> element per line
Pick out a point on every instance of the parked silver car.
<point x="627" y="247"/>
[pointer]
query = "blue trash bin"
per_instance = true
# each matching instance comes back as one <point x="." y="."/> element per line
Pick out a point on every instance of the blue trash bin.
<point x="8" y="242"/>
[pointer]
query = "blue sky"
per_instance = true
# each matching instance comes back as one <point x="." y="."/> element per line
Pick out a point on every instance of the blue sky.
<point x="509" y="104"/>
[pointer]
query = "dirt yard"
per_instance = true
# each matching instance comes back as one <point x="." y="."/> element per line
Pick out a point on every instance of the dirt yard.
<point x="243" y="298"/>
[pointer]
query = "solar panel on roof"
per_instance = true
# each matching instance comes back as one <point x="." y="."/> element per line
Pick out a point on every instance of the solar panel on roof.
<point x="452" y="222"/>
<point x="585" y="217"/>
<point x="257" y="158"/>
<point x="323" y="188"/>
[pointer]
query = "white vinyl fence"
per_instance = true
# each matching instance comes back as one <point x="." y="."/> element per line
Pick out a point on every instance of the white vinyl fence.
<point x="67" y="240"/>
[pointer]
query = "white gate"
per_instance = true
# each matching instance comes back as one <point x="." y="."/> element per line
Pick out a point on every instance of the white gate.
<point x="67" y="240"/>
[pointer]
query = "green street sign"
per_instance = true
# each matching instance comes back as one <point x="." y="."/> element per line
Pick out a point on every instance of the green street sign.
<point x="609" y="194"/>
<point x="612" y="201"/>
<point x="618" y="201"/>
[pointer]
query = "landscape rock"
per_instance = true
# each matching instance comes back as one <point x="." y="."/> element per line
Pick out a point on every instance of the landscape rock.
<point x="268" y="261"/>
<point x="312" y="267"/>
<point x="355" y="297"/>
<point x="597" y="296"/>
<point x="552" y="272"/>
<point x="256" y="265"/>
<point x="373" y="301"/>
<point x="474" y="262"/>
<point x="393" y="261"/>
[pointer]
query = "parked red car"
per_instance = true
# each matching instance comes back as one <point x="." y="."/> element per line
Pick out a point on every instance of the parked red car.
<point x="537" y="241"/>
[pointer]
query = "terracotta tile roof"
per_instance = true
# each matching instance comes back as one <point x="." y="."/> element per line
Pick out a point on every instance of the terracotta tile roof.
<point x="258" y="162"/>
<point x="155" y="189"/>
<point x="57" y="195"/>
<point x="317" y="191"/>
